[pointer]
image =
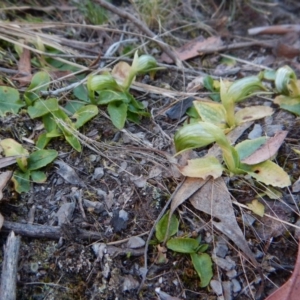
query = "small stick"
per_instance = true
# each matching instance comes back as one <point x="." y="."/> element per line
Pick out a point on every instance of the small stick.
<point x="9" y="267"/>
<point x="45" y="231"/>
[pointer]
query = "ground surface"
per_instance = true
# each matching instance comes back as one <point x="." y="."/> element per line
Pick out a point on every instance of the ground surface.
<point x="124" y="173"/>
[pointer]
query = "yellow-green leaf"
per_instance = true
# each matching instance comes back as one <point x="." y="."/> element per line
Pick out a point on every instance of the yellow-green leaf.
<point x="202" y="168"/>
<point x="203" y="266"/>
<point x="12" y="148"/>
<point x="257" y="207"/>
<point x="252" y="113"/>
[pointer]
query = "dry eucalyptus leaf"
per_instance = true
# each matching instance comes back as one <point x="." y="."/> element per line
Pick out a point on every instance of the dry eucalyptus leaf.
<point x="68" y="173"/>
<point x="7" y="161"/>
<point x="268" y="150"/>
<point x="214" y="199"/>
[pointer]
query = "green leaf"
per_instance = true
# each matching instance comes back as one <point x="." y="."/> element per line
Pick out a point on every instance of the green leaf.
<point x="38" y="176"/>
<point x="244" y="88"/>
<point x="211" y="112"/>
<point x="203" y="266"/>
<point x="74" y="142"/>
<point x="81" y="93"/>
<point x="102" y="82"/>
<point x="9" y="101"/>
<point x="42" y="107"/>
<point x="268" y="173"/>
<point x="12" y="148"/>
<point x="40" y="82"/>
<point x="109" y="96"/>
<point x="202" y="168"/>
<point x="21" y="181"/>
<point x="49" y="123"/>
<point x="247" y="147"/>
<point x="193" y="136"/>
<point x="183" y="245"/>
<point x="22" y="163"/>
<point x="41" y="158"/>
<point x="284" y="76"/>
<point x="42" y="141"/>
<point x="288" y="103"/>
<point x="137" y="104"/>
<point x="84" y="114"/>
<point x="162" y="226"/>
<point x="118" y="113"/>
<point x="72" y="106"/>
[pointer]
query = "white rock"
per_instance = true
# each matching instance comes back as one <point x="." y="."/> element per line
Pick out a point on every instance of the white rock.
<point x="236" y="286"/>
<point x="135" y="242"/>
<point x="216" y="287"/>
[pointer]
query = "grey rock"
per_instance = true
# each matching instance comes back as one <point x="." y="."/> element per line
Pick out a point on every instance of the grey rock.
<point x="98" y="173"/>
<point x="236" y="286"/>
<point x="216" y="287"/>
<point x="231" y="274"/>
<point x="256" y="132"/>
<point x="221" y="249"/>
<point x="97" y="207"/>
<point x="135" y="242"/>
<point x="225" y="264"/>
<point x="130" y="283"/>
<point x="272" y="129"/>
<point x="65" y="212"/>
<point x="227" y="290"/>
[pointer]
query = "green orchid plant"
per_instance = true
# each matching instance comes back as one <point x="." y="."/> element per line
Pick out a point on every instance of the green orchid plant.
<point x="113" y="91"/>
<point x="223" y="114"/>
<point x="29" y="164"/>
<point x="288" y="86"/>
<point x="202" y="134"/>
<point x="201" y="261"/>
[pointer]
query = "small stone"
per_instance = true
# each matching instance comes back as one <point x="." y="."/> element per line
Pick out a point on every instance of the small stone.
<point x="231" y="274"/>
<point x="236" y="286"/>
<point x="227" y="290"/>
<point x="98" y="173"/>
<point x="256" y="132"/>
<point x="221" y="249"/>
<point x="216" y="287"/>
<point x="97" y="207"/>
<point x="224" y="264"/>
<point x="271" y="130"/>
<point x="248" y="220"/>
<point x="119" y="220"/>
<point x="135" y="242"/>
<point x="130" y="283"/>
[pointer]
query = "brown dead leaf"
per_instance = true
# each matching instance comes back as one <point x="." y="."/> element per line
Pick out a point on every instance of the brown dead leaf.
<point x="24" y="67"/>
<point x="214" y="199"/>
<point x="7" y="161"/>
<point x="291" y="289"/>
<point x="194" y="48"/>
<point x="268" y="150"/>
<point x="4" y="178"/>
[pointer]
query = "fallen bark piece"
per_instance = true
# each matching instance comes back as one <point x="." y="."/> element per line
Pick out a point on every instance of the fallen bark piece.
<point x="9" y="267"/>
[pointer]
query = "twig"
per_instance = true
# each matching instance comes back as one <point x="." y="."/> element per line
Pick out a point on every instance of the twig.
<point x="9" y="267"/>
<point x="265" y="44"/>
<point x="142" y="27"/>
<point x="45" y="231"/>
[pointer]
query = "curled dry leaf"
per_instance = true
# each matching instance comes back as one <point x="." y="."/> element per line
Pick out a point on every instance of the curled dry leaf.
<point x="268" y="150"/>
